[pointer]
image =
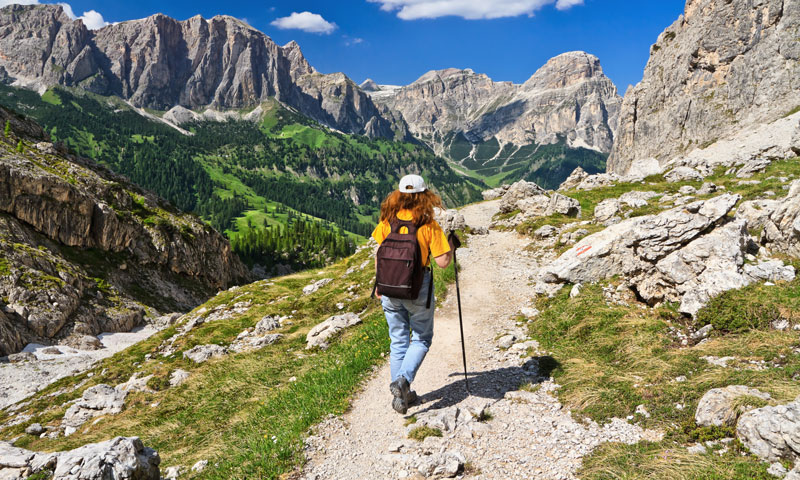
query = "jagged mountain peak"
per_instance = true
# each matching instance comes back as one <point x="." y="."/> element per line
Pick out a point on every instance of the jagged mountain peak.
<point x="159" y="62"/>
<point x="444" y="74"/>
<point x="369" y="85"/>
<point x="565" y="70"/>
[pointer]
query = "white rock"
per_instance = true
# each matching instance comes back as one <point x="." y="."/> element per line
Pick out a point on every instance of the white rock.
<point x="716" y="407"/>
<point x="321" y="333"/>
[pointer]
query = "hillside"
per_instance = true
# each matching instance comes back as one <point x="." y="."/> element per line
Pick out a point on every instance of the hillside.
<point x="84" y="251"/>
<point x="263" y="182"/>
<point x="562" y="117"/>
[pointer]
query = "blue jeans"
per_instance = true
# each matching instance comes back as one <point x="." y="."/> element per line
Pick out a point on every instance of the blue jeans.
<point x="410" y="329"/>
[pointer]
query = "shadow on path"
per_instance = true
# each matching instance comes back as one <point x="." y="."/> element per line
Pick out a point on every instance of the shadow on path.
<point x="489" y="384"/>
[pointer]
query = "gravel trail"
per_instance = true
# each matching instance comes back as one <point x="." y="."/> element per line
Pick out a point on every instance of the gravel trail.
<point x="521" y="434"/>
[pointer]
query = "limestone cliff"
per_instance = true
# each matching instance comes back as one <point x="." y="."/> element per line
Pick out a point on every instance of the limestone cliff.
<point x="722" y="68"/>
<point x="159" y="62"/>
<point x="84" y="251"/>
<point x="569" y="97"/>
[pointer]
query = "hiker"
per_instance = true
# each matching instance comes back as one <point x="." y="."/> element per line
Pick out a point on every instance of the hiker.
<point x="405" y="286"/>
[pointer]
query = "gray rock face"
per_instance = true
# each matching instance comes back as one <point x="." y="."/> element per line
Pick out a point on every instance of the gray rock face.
<point x="516" y="192"/>
<point x="158" y="62"/>
<point x="717" y="407"/>
<point x="772" y="433"/>
<point x="321" y="333"/>
<point x="575" y="178"/>
<point x="682" y="255"/>
<point x="568" y="97"/>
<point x="49" y="201"/>
<point x="96" y="401"/>
<point x="122" y="458"/>
<point x="782" y="228"/>
<point x="722" y="67"/>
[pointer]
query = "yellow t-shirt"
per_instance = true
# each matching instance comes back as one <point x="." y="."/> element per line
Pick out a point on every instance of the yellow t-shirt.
<point x="431" y="238"/>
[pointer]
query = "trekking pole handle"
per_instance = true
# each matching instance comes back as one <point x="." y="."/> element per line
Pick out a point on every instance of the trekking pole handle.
<point x="454" y="241"/>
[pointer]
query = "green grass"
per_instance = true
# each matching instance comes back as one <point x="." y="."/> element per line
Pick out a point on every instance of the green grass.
<point x="612" y="358"/>
<point x="752" y="308"/>
<point x="421" y="433"/>
<point x="240" y="412"/>
<point x="51" y="97"/>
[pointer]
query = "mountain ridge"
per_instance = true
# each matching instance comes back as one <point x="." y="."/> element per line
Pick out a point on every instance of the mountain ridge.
<point x="159" y="62"/>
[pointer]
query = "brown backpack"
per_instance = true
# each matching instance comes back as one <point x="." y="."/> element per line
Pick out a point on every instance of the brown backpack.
<point x="400" y="271"/>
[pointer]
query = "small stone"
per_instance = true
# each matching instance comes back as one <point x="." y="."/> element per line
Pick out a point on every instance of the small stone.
<point x="34" y="429"/>
<point x="200" y="466"/>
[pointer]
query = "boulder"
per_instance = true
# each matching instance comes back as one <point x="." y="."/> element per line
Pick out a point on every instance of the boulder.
<point x="683" y="174"/>
<point x="679" y="255"/>
<point x="563" y="205"/>
<point x="636" y="199"/>
<point x="772" y="433"/>
<point x="203" y="353"/>
<point x="599" y="180"/>
<point x="575" y="178"/>
<point x="495" y="193"/>
<point x="441" y="465"/>
<point x="251" y="342"/>
<point x="96" y="401"/>
<point x="535" y="206"/>
<point x="606" y="210"/>
<point x="314" y="286"/>
<point x="450" y="220"/>
<point x="321" y="333"/>
<point x="517" y="192"/>
<point x="178" y="377"/>
<point x="717" y="407"/>
<point x="546" y="231"/>
<point x="782" y="229"/>
<point x="122" y="458"/>
<point x="267" y="324"/>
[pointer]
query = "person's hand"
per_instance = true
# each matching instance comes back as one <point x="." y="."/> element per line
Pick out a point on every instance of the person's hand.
<point x="453" y="241"/>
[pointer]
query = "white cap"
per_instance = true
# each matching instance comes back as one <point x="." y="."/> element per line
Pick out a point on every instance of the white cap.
<point x="412" y="184"/>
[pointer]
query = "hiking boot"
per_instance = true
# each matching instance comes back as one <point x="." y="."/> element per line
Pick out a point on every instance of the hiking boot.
<point x="412" y="397"/>
<point x="400" y="390"/>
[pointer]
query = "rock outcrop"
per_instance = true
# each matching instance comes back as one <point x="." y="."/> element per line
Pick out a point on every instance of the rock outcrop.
<point x="687" y="254"/>
<point x="321" y="333"/>
<point x="718" y="406"/>
<point x="96" y="401"/>
<point x="569" y="97"/>
<point x="723" y="68"/>
<point x="158" y="62"/>
<point x="83" y="251"/>
<point x="772" y="433"/>
<point x="122" y="458"/>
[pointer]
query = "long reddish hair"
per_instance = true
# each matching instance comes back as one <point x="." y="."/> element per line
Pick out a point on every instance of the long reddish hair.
<point x="420" y="204"/>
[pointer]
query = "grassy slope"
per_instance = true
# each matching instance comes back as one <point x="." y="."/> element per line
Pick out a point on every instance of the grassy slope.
<point x="613" y="358"/>
<point x="241" y="412"/>
<point x="547" y="165"/>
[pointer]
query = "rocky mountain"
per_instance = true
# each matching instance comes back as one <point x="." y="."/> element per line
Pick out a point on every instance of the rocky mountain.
<point x="478" y="122"/>
<point x="84" y="251"/>
<point x="160" y="63"/>
<point x="723" y="69"/>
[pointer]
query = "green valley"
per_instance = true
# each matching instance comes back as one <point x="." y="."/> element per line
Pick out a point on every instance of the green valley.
<point x="266" y="184"/>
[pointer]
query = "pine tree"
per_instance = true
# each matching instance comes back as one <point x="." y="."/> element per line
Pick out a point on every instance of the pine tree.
<point x="20" y="147"/>
<point x="7" y="131"/>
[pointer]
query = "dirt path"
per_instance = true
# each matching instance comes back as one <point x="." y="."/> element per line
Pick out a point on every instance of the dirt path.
<point x="522" y="438"/>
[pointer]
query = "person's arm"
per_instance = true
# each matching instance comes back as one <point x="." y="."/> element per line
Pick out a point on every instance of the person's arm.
<point x="444" y="260"/>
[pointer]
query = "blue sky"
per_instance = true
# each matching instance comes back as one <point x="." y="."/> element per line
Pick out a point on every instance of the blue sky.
<point x="362" y="39"/>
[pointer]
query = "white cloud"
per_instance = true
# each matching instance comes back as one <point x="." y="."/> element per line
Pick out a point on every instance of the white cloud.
<point x="350" y="41"/>
<point x="468" y="9"/>
<point x="305" y="21"/>
<point x="92" y="19"/>
<point x="567" y="4"/>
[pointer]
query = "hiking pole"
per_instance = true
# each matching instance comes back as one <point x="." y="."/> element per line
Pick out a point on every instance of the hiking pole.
<point x="455" y="242"/>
